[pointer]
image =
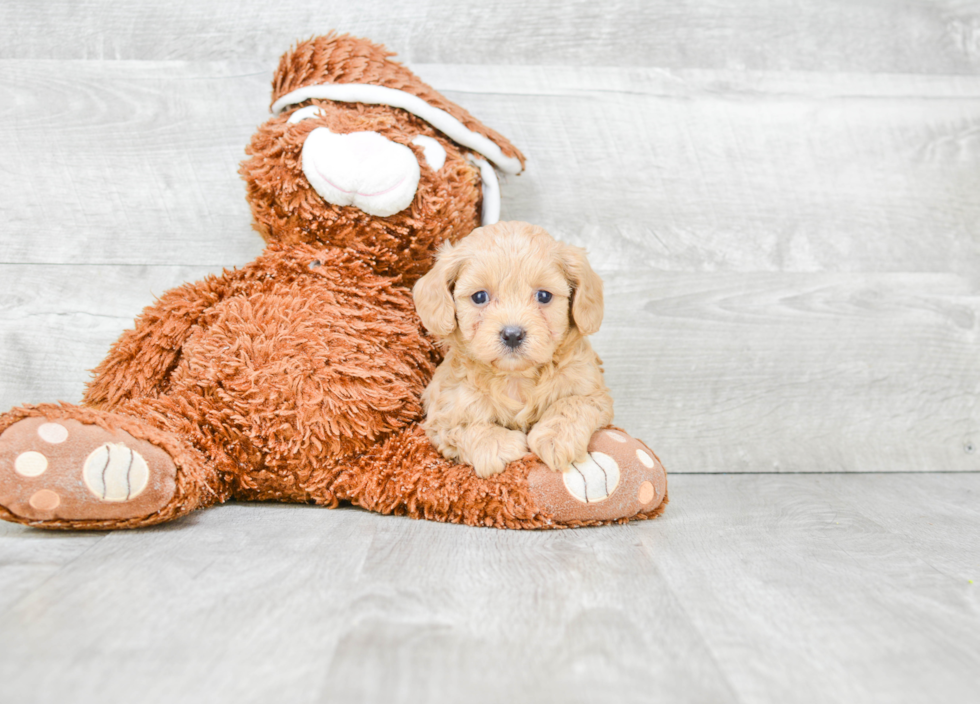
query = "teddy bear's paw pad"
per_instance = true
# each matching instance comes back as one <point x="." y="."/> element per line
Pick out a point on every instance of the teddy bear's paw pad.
<point x="66" y="470"/>
<point x="619" y="478"/>
<point x="593" y="479"/>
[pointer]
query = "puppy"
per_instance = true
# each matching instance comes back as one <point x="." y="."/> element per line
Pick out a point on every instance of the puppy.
<point x="511" y="307"/>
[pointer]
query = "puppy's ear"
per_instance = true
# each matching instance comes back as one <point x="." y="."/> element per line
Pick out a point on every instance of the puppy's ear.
<point x="586" y="286"/>
<point x="433" y="293"/>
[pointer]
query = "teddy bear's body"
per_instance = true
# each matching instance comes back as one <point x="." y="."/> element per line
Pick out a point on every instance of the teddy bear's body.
<point x="298" y="377"/>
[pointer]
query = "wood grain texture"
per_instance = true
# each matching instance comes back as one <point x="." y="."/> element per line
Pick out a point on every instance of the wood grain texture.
<point x="750" y="589"/>
<point x="942" y="36"/>
<point x="797" y="372"/>
<point x="135" y="163"/>
<point x="29" y="559"/>
<point x="718" y="373"/>
<point x="132" y="164"/>
<point x="57" y="322"/>
<point x="807" y="595"/>
<point x="734" y="171"/>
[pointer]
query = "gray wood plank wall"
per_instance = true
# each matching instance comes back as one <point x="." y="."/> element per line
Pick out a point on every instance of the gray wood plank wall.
<point x="781" y="197"/>
<point x="873" y="36"/>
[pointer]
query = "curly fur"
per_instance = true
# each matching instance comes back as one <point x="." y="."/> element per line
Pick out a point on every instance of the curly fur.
<point x="488" y="403"/>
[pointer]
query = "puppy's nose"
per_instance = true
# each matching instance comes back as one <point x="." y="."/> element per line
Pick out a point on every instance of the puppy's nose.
<point x="512" y="336"/>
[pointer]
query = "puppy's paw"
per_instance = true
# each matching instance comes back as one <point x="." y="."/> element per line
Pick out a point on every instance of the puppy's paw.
<point x="498" y="448"/>
<point x="558" y="442"/>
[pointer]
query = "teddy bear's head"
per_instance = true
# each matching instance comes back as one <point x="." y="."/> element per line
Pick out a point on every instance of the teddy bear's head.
<point x="361" y="154"/>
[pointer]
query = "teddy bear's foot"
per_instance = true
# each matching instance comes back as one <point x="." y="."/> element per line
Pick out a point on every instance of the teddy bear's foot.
<point x="621" y="479"/>
<point x="53" y="471"/>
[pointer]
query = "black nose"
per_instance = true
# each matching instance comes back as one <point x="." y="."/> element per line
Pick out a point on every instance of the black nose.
<point x="512" y="336"/>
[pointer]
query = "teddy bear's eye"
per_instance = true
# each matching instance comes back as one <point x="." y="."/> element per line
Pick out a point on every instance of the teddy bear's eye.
<point x="434" y="153"/>
<point x="480" y="297"/>
<point x="543" y="297"/>
<point x="305" y="114"/>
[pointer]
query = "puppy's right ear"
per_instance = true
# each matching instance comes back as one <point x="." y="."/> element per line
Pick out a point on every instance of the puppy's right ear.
<point x="433" y="293"/>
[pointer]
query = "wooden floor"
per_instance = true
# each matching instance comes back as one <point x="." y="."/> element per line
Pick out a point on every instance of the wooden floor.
<point x="777" y="588"/>
<point x="783" y="198"/>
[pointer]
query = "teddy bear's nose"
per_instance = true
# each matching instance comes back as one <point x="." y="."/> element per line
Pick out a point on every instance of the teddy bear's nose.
<point x="363" y="169"/>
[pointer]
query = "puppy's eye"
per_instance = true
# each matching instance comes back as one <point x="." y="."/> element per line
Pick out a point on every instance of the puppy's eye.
<point x="543" y="297"/>
<point x="480" y="297"/>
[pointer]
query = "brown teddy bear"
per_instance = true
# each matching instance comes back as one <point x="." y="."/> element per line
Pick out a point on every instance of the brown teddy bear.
<point x="297" y="378"/>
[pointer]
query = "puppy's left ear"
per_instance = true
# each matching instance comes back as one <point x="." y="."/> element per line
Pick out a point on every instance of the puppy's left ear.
<point x="433" y="295"/>
<point x="587" y="307"/>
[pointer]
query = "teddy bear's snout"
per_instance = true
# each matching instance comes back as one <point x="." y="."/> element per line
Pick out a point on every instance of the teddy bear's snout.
<point x="363" y="169"/>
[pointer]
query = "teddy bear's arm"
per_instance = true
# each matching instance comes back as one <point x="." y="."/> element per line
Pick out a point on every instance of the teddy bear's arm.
<point x="139" y="363"/>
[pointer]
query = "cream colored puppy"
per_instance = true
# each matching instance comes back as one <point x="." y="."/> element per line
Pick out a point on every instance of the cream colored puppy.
<point x="511" y="307"/>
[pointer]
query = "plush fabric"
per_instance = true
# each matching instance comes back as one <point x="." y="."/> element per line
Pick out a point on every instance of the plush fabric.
<point x="298" y="377"/>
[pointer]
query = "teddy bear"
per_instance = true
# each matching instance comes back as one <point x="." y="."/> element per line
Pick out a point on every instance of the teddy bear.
<point x="298" y="377"/>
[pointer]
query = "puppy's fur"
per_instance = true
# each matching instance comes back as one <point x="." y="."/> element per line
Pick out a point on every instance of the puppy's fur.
<point x="490" y="401"/>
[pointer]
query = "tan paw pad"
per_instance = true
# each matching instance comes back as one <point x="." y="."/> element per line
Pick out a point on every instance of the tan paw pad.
<point x="620" y="478"/>
<point x="45" y="500"/>
<point x="646" y="493"/>
<point x="54" y="433"/>
<point x="114" y="472"/>
<point x="645" y="458"/>
<point x="593" y="479"/>
<point x="30" y="464"/>
<point x="615" y="436"/>
<point x="66" y="470"/>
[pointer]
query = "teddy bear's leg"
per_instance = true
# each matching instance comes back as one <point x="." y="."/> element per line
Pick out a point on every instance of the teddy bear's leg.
<point x="406" y="475"/>
<point x="621" y="480"/>
<point x="71" y="467"/>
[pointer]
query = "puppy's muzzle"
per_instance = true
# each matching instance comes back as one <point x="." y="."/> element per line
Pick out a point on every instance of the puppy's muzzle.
<point x="513" y="336"/>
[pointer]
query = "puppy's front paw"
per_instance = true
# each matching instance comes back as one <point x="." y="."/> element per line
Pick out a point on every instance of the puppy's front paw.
<point x="496" y="450"/>
<point x="558" y="442"/>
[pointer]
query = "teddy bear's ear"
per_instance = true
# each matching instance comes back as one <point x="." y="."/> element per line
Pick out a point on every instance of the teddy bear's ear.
<point x="433" y="293"/>
<point x="587" y="303"/>
<point x="349" y="69"/>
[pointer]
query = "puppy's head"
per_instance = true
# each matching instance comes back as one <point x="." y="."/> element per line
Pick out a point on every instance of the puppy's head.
<point x="508" y="294"/>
